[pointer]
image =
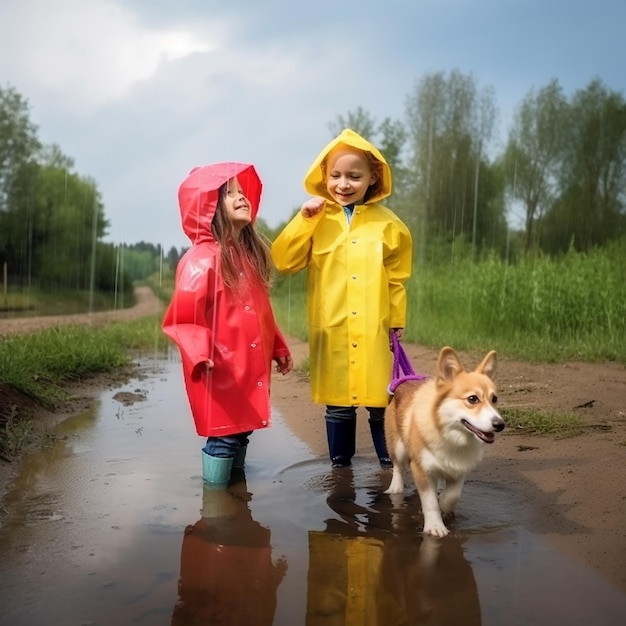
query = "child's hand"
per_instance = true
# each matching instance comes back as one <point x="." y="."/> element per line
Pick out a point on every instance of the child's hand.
<point x="202" y="368"/>
<point x="399" y="333"/>
<point x="312" y="206"/>
<point x="284" y="364"/>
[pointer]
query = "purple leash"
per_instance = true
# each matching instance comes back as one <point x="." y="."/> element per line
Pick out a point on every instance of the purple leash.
<point x="402" y="369"/>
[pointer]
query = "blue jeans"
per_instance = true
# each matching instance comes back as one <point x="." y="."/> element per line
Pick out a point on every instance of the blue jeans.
<point x="339" y="414"/>
<point x="226" y="447"/>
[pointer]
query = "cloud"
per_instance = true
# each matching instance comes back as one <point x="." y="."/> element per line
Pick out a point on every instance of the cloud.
<point x="138" y="92"/>
<point x="88" y="53"/>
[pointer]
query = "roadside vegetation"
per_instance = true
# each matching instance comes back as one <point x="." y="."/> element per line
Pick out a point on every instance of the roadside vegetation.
<point x="538" y="309"/>
<point x="41" y="366"/>
<point x="35" y="301"/>
<point x="519" y="240"/>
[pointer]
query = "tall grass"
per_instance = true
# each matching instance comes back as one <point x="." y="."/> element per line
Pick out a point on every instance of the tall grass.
<point x="38" y="364"/>
<point x="537" y="309"/>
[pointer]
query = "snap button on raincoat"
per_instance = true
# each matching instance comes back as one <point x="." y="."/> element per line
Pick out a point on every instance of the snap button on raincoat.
<point x="208" y="320"/>
<point x="355" y="286"/>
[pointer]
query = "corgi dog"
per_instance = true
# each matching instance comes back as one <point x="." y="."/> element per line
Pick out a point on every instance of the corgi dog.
<point x="439" y="427"/>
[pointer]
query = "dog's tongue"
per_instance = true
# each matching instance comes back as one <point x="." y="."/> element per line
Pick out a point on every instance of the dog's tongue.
<point x="483" y="436"/>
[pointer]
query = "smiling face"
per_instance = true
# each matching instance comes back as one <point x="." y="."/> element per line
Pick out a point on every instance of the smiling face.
<point x="349" y="175"/>
<point x="238" y="209"/>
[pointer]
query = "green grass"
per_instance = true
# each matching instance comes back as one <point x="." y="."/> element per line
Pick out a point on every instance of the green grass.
<point x="39" y="364"/>
<point x="535" y="310"/>
<point x="35" y="301"/>
<point x="538" y="422"/>
<point x="14" y="432"/>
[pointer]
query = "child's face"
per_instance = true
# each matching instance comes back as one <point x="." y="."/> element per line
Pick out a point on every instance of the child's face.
<point x="237" y="205"/>
<point x="349" y="176"/>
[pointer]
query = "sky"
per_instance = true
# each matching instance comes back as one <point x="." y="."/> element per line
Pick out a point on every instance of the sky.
<point x="138" y="92"/>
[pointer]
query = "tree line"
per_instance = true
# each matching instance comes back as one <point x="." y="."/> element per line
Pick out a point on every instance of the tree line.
<point x="52" y="219"/>
<point x="556" y="184"/>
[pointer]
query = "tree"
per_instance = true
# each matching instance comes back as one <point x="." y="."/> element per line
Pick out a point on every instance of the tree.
<point x="173" y="257"/>
<point x="590" y="208"/>
<point x="360" y="121"/>
<point x="51" y="219"/>
<point x="18" y="140"/>
<point x="534" y="153"/>
<point x="450" y="125"/>
<point x="18" y="147"/>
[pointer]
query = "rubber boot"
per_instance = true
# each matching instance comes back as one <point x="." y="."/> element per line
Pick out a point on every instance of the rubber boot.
<point x="239" y="461"/>
<point x="341" y="436"/>
<point x="377" y="428"/>
<point x="216" y="470"/>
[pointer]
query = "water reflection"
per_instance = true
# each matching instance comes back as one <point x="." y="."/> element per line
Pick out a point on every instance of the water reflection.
<point x="112" y="525"/>
<point x="227" y="575"/>
<point x="362" y="573"/>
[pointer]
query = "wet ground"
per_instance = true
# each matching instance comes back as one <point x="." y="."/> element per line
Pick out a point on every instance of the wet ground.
<point x="113" y="525"/>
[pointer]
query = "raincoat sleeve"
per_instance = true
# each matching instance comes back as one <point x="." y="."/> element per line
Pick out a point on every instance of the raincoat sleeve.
<point x="398" y="268"/>
<point x="280" y="345"/>
<point x="291" y="250"/>
<point x="185" y="320"/>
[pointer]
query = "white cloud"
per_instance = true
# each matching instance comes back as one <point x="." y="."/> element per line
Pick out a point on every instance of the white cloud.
<point x="88" y="52"/>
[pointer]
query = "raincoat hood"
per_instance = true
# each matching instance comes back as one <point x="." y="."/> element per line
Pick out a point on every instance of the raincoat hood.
<point x="198" y="195"/>
<point x="315" y="181"/>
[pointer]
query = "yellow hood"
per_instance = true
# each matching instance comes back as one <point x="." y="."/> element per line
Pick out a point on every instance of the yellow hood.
<point x="314" y="181"/>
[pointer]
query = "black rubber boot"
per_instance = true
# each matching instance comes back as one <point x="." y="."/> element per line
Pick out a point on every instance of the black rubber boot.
<point x="377" y="428"/>
<point x="341" y="441"/>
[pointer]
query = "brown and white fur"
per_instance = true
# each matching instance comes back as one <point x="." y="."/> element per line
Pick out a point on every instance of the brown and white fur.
<point x="439" y="427"/>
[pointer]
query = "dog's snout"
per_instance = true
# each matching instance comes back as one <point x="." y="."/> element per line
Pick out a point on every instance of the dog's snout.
<point x="498" y="424"/>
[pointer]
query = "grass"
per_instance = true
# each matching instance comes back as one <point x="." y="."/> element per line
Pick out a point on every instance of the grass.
<point x="38" y="364"/>
<point x="538" y="310"/>
<point x="35" y="301"/>
<point x="15" y="433"/>
<point x="538" y="422"/>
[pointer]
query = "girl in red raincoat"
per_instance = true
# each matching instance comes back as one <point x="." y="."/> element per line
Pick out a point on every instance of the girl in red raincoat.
<point x="220" y="314"/>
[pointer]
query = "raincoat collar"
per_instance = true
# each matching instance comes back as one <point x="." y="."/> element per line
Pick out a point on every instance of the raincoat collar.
<point x="198" y="195"/>
<point x="314" y="181"/>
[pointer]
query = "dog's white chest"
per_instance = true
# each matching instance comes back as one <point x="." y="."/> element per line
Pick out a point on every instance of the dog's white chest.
<point x="450" y="461"/>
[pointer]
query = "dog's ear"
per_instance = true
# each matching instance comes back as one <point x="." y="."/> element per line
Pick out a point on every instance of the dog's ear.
<point x="488" y="364"/>
<point x="448" y="364"/>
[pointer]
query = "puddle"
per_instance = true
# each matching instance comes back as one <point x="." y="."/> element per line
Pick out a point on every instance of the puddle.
<point x="113" y="525"/>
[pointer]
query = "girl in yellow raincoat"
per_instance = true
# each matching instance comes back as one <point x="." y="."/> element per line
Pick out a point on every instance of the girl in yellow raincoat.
<point x="357" y="253"/>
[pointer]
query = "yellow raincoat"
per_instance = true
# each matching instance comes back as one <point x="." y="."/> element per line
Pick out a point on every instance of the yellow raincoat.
<point x="355" y="286"/>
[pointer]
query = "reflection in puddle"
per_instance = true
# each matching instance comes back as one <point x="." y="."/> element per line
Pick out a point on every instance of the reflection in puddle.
<point x="226" y="571"/>
<point x="113" y="525"/>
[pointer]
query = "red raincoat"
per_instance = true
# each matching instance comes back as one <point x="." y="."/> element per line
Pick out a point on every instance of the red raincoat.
<point x="207" y="320"/>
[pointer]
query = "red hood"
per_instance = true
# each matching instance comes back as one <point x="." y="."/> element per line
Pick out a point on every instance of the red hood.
<point x="197" y="196"/>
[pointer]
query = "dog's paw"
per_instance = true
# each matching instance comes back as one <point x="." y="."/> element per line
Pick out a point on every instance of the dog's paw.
<point x="436" y="530"/>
